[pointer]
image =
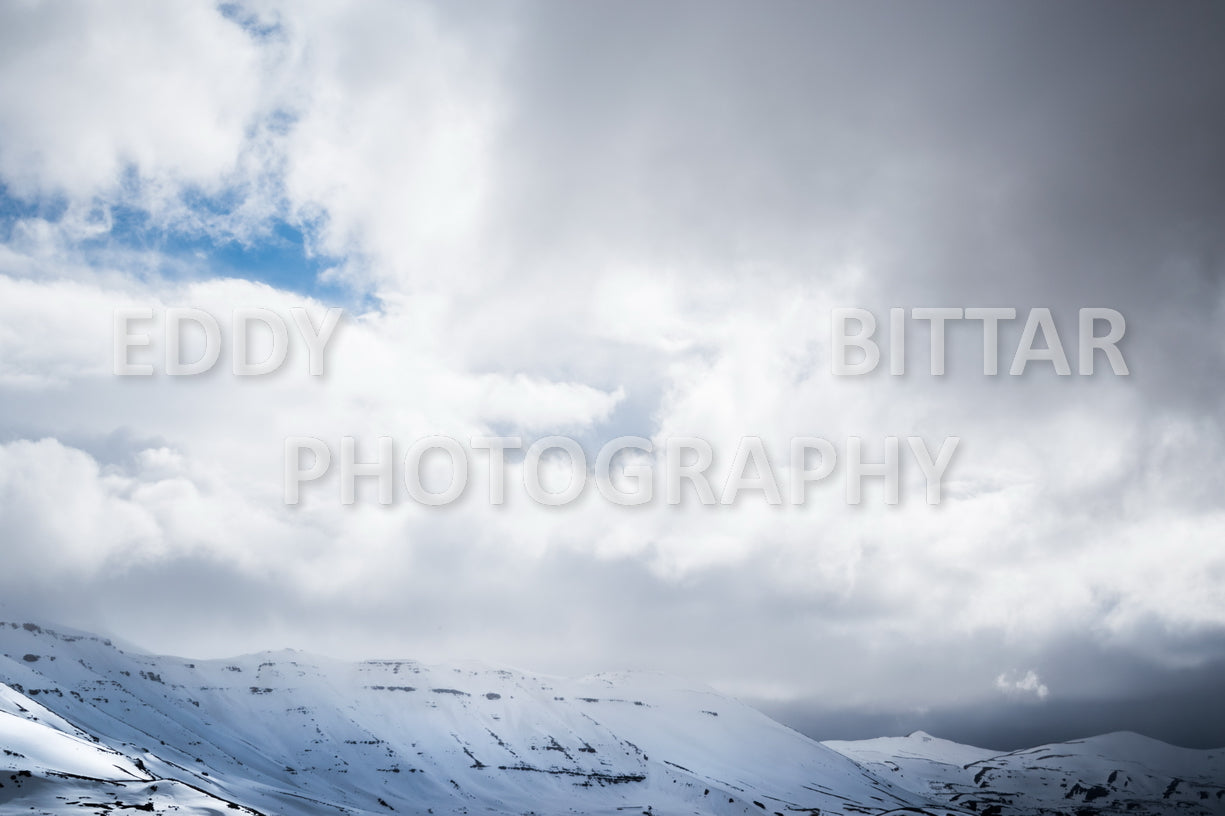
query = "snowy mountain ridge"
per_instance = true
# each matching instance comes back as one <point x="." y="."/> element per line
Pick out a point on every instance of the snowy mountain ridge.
<point x="86" y="727"/>
<point x="1121" y="772"/>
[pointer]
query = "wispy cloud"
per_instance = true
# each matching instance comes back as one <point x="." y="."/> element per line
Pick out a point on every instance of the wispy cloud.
<point x="1026" y="685"/>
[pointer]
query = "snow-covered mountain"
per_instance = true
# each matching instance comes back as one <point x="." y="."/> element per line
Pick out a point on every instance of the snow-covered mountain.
<point x="87" y="727"/>
<point x="1114" y="773"/>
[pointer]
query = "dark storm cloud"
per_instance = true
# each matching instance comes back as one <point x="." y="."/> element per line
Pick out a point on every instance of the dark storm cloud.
<point x="1038" y="154"/>
<point x="1093" y="119"/>
<point x="1177" y="705"/>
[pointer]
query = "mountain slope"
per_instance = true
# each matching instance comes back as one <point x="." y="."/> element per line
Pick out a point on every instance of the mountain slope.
<point x="288" y="733"/>
<point x="49" y="766"/>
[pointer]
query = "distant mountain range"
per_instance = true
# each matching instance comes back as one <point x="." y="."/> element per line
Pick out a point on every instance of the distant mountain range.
<point x="89" y="728"/>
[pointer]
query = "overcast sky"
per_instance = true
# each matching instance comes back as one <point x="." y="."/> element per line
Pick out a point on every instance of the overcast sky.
<point x="606" y="219"/>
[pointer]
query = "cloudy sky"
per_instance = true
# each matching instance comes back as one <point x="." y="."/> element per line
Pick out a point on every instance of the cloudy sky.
<point x="609" y="219"/>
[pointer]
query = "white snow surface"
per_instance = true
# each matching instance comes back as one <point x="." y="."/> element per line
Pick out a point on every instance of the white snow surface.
<point x="87" y="727"/>
<point x="1110" y="774"/>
